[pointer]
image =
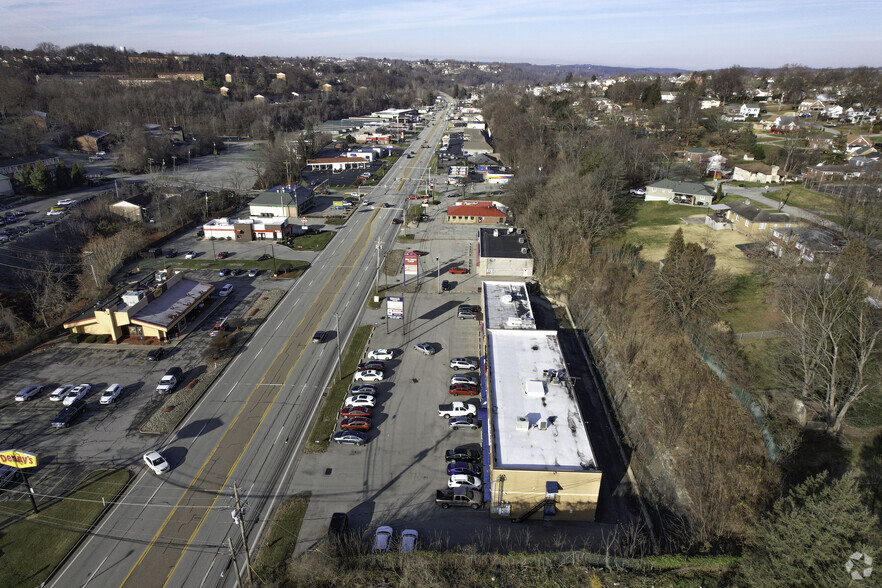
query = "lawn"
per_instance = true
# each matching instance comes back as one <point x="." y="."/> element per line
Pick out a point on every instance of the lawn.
<point x="312" y="242"/>
<point x="653" y="244"/>
<point x="749" y="310"/>
<point x="326" y="423"/>
<point x="230" y="263"/>
<point x="32" y="547"/>
<point x="653" y="214"/>
<point x="281" y="537"/>
<point x="803" y="198"/>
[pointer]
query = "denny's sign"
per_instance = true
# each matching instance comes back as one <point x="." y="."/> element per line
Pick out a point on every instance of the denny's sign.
<point x="18" y="458"/>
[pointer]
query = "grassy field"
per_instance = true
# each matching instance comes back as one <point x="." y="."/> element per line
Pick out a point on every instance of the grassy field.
<point x="32" y="547"/>
<point x="313" y="242"/>
<point x="803" y="198"/>
<point x="319" y="438"/>
<point x="749" y="309"/>
<point x="281" y="537"/>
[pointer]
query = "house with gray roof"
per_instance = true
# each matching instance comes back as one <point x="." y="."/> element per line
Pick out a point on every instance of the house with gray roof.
<point x="750" y="220"/>
<point x="677" y="192"/>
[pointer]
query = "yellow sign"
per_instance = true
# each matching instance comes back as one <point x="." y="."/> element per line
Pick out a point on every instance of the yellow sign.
<point x="18" y="458"/>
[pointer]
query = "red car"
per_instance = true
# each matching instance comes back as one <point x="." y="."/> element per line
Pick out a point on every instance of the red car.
<point x="356" y="424"/>
<point x="420" y="253"/>
<point x="458" y="270"/>
<point x="396" y="221"/>
<point x="356" y="411"/>
<point x="463" y="390"/>
<point x="223" y="255"/>
<point x="372" y="365"/>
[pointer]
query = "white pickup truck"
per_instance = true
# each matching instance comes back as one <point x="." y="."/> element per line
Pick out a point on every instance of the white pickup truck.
<point x="457" y="409"/>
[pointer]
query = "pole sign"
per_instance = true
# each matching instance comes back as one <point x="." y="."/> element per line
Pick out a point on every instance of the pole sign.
<point x="411" y="264"/>
<point x="394" y="307"/>
<point x="18" y="458"/>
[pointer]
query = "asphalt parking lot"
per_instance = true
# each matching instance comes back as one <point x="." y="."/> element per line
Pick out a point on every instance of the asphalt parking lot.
<point x="104" y="435"/>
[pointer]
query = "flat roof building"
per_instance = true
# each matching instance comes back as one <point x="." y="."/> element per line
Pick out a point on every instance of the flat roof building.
<point x="538" y="454"/>
<point x="504" y="252"/>
<point x="282" y="201"/>
<point x="475" y="211"/>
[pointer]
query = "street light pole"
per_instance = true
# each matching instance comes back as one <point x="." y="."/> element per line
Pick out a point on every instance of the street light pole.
<point x="438" y="273"/>
<point x="377" y="277"/>
<point x="339" y="359"/>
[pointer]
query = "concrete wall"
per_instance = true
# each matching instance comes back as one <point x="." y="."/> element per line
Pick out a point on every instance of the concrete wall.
<point x="577" y="493"/>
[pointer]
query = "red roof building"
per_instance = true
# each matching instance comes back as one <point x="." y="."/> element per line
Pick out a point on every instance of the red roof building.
<point x="477" y="211"/>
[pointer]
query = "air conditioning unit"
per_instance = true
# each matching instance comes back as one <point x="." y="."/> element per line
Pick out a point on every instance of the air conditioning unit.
<point x="522" y="240"/>
<point x="522" y="424"/>
<point x="524" y="250"/>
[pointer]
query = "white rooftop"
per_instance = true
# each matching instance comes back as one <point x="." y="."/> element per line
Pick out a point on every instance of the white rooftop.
<point x="535" y="420"/>
<point x="507" y="306"/>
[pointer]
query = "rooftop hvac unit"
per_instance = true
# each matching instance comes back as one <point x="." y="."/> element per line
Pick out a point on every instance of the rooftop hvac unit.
<point x="510" y="230"/>
<point x="520" y="231"/>
<point x="522" y="424"/>
<point x="495" y="232"/>
<point x="521" y="240"/>
<point x="524" y="250"/>
<point x="543" y="425"/>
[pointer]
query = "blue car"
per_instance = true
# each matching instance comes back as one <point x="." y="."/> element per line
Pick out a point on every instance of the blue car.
<point x="461" y="467"/>
<point x="223" y="272"/>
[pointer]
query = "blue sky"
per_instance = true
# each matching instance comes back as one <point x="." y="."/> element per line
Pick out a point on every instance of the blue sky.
<point x="654" y="33"/>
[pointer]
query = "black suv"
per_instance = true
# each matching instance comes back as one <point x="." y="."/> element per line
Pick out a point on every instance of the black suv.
<point x="67" y="414"/>
<point x="338" y="528"/>
<point x="462" y="454"/>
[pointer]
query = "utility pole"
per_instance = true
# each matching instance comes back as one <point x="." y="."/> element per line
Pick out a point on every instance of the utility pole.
<point x="89" y="253"/>
<point x="377" y="278"/>
<point x="235" y="563"/>
<point x="175" y="165"/>
<point x="273" y="250"/>
<point x="339" y="359"/>
<point x="242" y="531"/>
<point x="438" y="272"/>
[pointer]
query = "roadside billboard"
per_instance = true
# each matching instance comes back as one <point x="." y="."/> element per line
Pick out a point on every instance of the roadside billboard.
<point x="458" y="171"/>
<point x="18" y="458"/>
<point x="394" y="307"/>
<point x="411" y="264"/>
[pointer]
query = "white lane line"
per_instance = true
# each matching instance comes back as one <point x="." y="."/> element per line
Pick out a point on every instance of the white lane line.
<point x="208" y="571"/>
<point x="94" y="573"/>
<point x="230" y="392"/>
<point x="258" y="353"/>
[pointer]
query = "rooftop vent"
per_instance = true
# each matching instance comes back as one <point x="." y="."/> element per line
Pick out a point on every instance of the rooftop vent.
<point x="495" y="232"/>
<point x="521" y="240"/>
<point x="524" y="250"/>
<point x="522" y="424"/>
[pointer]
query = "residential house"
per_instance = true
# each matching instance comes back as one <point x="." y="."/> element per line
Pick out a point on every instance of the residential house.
<point x="716" y="166"/>
<point x="833" y="111"/>
<point x="93" y="142"/>
<point x="750" y="220"/>
<point x="676" y="192"/>
<point x="785" y="124"/>
<point x="813" y="107"/>
<point x="37" y="118"/>
<point x="813" y="244"/>
<point x="705" y="103"/>
<point x="6" y="186"/>
<point x="749" y="109"/>
<point x="832" y="172"/>
<point x="855" y="142"/>
<point x="282" y="201"/>
<point x="756" y="171"/>
<point x="668" y="97"/>
<point x="698" y="155"/>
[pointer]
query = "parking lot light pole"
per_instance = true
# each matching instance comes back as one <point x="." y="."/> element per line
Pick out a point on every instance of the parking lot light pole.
<point x="438" y="273"/>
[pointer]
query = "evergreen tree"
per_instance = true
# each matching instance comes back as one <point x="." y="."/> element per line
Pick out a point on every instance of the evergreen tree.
<point x="62" y="176"/>
<point x="40" y="181"/>
<point x="676" y="246"/>
<point x="652" y="95"/>
<point x="22" y="176"/>
<point x="77" y="175"/>
<point x="809" y="536"/>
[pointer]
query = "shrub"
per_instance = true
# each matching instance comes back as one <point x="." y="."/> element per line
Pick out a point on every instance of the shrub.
<point x="284" y="268"/>
<point x="102" y="338"/>
<point x="74" y="337"/>
<point x="90" y="339"/>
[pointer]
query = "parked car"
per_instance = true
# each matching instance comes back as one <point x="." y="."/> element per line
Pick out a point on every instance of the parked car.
<point x="156" y="462"/>
<point x="218" y="328"/>
<point x="111" y="394"/>
<point x="382" y="540"/>
<point x="67" y="414"/>
<point x="223" y="255"/>
<point x="463" y="379"/>
<point x="356" y="411"/>
<point x="378" y="366"/>
<point x="59" y="393"/>
<point x="396" y="221"/>
<point x="236" y="271"/>
<point x="368" y="376"/>
<point x="76" y="393"/>
<point x="356" y="424"/>
<point x="349" y="438"/>
<point x="170" y="253"/>
<point x="319" y="336"/>
<point x="446" y="285"/>
<point x="363" y="389"/>
<point x="155" y="354"/>
<point x="252" y="273"/>
<point x="463" y="363"/>
<point x="420" y="253"/>
<point x="464" y="481"/>
<point x="466" y="314"/>
<point x="170" y="380"/>
<point x="463" y="467"/>
<point x="457" y="423"/>
<point x="637" y="191"/>
<point x="380" y="354"/>
<point x="424" y="348"/>
<point x="409" y="538"/>
<point x="225" y="291"/>
<point x="463" y="389"/>
<point x="458" y="270"/>
<point x="28" y="392"/>
<point x="360" y="400"/>
<point x="190" y="255"/>
<point x="8" y="475"/>
<point x="223" y="272"/>
<point x="462" y="454"/>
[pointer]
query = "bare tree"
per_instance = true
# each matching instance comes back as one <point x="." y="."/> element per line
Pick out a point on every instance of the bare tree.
<point x="835" y="333"/>
<point x="687" y="285"/>
<point x="47" y="283"/>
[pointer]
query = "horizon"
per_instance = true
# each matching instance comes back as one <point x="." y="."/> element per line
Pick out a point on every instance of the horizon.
<point x="811" y="33"/>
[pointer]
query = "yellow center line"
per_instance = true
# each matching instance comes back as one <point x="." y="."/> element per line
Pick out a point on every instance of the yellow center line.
<point x="321" y="298"/>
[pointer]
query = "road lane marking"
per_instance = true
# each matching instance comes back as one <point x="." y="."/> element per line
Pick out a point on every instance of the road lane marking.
<point x="316" y="305"/>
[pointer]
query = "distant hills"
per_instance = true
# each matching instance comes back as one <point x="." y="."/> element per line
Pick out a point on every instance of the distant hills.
<point x="558" y="72"/>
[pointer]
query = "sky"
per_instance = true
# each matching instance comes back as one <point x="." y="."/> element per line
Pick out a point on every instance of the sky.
<point x="685" y="34"/>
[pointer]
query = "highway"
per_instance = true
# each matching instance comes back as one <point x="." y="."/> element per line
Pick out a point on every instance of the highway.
<point x="171" y="530"/>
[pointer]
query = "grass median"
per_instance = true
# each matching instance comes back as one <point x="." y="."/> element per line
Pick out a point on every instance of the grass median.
<point x="33" y="545"/>
<point x="281" y="537"/>
<point x="324" y="426"/>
